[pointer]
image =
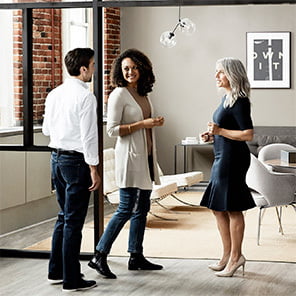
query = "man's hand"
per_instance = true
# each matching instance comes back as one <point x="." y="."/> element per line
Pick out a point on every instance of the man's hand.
<point x="96" y="179"/>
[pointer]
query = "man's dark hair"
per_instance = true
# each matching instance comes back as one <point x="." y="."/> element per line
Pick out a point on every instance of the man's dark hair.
<point x="147" y="78"/>
<point x="77" y="58"/>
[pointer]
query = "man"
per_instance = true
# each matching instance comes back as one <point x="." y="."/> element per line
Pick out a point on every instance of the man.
<point x="71" y="122"/>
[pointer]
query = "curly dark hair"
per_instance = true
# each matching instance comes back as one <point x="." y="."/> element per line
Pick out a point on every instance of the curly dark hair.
<point x="77" y="58"/>
<point x="147" y="78"/>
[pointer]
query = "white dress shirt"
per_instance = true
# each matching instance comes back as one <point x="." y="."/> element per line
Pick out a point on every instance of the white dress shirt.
<point x="70" y="119"/>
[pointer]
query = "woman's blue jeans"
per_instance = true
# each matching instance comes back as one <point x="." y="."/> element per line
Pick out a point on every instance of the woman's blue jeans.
<point x="71" y="178"/>
<point x="134" y="205"/>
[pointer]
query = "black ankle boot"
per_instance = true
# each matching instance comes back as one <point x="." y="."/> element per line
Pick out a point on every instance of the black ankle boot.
<point x="99" y="263"/>
<point x="138" y="261"/>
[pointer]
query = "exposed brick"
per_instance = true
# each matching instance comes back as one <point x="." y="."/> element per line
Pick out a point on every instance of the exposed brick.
<point x="42" y="38"/>
<point x="45" y="38"/>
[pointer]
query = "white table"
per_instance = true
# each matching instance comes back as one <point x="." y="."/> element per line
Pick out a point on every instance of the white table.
<point x="185" y="147"/>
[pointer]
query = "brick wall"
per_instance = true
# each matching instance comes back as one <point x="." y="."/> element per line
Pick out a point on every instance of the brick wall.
<point x="111" y="44"/>
<point x="17" y="65"/>
<point x="47" y="56"/>
<point x="47" y="59"/>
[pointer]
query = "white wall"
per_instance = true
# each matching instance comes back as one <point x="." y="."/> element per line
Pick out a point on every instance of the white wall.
<point x="185" y="91"/>
<point x="25" y="196"/>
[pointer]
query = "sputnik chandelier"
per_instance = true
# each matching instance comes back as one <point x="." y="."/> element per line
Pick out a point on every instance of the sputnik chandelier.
<point x="168" y="38"/>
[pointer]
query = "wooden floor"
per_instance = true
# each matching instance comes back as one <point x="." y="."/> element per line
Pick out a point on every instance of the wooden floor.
<point x="180" y="277"/>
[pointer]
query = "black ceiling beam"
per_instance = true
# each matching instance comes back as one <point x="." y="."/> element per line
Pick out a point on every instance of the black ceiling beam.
<point x="139" y="3"/>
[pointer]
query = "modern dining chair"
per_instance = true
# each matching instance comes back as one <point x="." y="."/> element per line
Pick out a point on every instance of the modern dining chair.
<point x="273" y="151"/>
<point x="270" y="189"/>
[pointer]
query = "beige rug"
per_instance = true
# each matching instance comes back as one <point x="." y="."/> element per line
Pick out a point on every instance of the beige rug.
<point x="195" y="235"/>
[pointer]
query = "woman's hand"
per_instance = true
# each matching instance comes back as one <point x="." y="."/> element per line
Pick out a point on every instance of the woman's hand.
<point x="213" y="129"/>
<point x="128" y="129"/>
<point x="206" y="137"/>
<point x="237" y="135"/>
<point x="152" y="122"/>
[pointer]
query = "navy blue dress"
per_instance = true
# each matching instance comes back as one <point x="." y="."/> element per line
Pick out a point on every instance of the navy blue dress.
<point x="227" y="189"/>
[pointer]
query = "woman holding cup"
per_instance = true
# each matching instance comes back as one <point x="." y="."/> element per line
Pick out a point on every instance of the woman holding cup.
<point x="227" y="194"/>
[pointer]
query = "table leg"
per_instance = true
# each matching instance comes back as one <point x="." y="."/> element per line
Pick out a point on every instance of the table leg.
<point x="185" y="158"/>
<point x="175" y="164"/>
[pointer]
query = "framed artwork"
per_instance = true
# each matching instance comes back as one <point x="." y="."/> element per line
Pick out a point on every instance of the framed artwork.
<point x="269" y="59"/>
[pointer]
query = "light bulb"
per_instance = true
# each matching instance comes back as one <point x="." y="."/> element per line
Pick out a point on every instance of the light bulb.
<point x="168" y="39"/>
<point x="187" y="26"/>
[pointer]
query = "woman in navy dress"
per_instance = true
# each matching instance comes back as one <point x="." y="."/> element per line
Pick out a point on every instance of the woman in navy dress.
<point x="227" y="194"/>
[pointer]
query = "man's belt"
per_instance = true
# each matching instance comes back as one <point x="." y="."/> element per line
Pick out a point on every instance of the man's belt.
<point x="67" y="152"/>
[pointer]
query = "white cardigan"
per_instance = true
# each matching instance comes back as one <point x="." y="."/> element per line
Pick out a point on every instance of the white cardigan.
<point x="131" y="155"/>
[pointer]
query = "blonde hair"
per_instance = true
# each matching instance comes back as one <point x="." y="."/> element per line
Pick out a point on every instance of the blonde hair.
<point x="238" y="80"/>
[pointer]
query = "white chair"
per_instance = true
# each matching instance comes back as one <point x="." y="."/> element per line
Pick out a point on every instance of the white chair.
<point x="270" y="189"/>
<point x="273" y="151"/>
<point x="184" y="181"/>
<point x="111" y="190"/>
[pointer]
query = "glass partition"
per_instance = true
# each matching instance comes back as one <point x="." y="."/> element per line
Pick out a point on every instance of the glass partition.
<point x="60" y="31"/>
<point x="55" y="32"/>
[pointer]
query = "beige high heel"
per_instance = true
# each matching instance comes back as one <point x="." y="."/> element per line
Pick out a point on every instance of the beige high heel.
<point x="241" y="262"/>
<point x="216" y="266"/>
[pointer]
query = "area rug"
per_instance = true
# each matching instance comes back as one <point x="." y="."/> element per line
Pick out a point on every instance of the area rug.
<point x="194" y="233"/>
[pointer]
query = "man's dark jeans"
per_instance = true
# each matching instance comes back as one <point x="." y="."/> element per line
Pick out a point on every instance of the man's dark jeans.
<point x="71" y="178"/>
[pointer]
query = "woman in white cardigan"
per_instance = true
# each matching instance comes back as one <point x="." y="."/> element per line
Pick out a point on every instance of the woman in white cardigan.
<point x="130" y="119"/>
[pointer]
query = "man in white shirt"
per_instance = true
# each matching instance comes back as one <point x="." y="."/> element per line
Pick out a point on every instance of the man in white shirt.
<point x="70" y="121"/>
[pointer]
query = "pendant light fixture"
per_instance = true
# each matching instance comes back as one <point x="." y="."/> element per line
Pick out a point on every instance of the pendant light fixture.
<point x="168" y="38"/>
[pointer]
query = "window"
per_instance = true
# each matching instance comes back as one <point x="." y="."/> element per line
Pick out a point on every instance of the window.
<point x="7" y="118"/>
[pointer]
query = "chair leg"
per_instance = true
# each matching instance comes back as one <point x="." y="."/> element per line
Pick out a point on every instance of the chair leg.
<point x="166" y="208"/>
<point x="279" y="216"/>
<point x="184" y="202"/>
<point x="259" y="226"/>
<point x="110" y="203"/>
<point x="162" y="218"/>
